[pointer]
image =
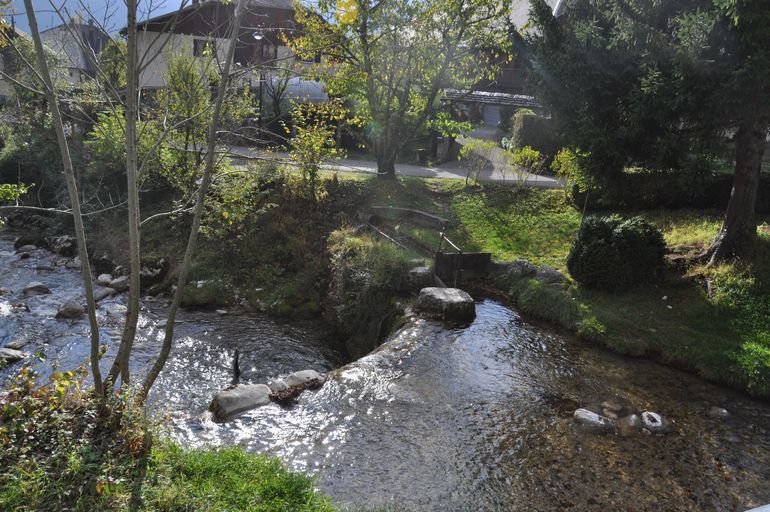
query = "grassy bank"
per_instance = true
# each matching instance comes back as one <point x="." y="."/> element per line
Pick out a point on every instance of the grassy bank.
<point x="60" y="450"/>
<point x="714" y="322"/>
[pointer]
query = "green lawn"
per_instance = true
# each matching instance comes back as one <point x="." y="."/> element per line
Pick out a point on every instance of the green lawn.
<point x="724" y="337"/>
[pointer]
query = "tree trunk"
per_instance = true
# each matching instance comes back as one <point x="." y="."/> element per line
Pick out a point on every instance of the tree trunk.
<point x="72" y="189"/>
<point x="121" y="364"/>
<point x="211" y="141"/>
<point x="739" y="228"/>
<point x="386" y="165"/>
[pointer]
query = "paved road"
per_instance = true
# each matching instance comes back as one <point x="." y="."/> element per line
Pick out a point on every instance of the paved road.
<point x="450" y="170"/>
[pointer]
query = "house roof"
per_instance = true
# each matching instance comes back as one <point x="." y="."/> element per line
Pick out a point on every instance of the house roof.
<point x="492" y="98"/>
<point x="208" y="11"/>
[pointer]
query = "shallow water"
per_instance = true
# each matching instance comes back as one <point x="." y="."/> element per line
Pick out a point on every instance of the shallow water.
<point x="436" y="419"/>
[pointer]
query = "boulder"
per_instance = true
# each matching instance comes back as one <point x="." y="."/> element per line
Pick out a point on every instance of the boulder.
<point x="120" y="284"/>
<point x="17" y="344"/>
<point x="70" y="309"/>
<point x="278" y="385"/>
<point x="103" y="294"/>
<point x="304" y="378"/>
<point x="73" y="263"/>
<point x="153" y="271"/>
<point x="548" y="275"/>
<point x="629" y="425"/>
<point x="35" y="288"/>
<point x="35" y="240"/>
<point x="655" y="423"/>
<point x="66" y="245"/>
<point x="26" y="248"/>
<point x="239" y="399"/>
<point x="420" y="277"/>
<point x="450" y="304"/>
<point x="592" y="421"/>
<point x="104" y="280"/>
<point x="518" y="269"/>
<point x="10" y="355"/>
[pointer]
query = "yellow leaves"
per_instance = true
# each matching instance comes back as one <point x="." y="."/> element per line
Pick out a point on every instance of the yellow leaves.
<point x="347" y="12"/>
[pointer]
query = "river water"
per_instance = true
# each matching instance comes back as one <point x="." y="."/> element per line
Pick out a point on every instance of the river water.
<point x="471" y="419"/>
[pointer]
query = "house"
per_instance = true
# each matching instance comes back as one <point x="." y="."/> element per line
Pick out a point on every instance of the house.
<point x="9" y="60"/>
<point x="78" y="45"/>
<point x="203" y="27"/>
<point x="492" y="98"/>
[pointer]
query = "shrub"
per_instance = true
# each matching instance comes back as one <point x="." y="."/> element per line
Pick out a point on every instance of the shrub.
<point x="537" y="132"/>
<point x="611" y="253"/>
<point x="526" y="162"/>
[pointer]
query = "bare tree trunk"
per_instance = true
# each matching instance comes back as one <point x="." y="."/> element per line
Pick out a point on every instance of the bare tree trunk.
<point x="211" y="141"/>
<point x="121" y="364"/>
<point x="72" y="189"/>
<point x="739" y="229"/>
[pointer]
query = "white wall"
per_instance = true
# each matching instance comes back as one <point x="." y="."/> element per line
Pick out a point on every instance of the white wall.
<point x="155" y="50"/>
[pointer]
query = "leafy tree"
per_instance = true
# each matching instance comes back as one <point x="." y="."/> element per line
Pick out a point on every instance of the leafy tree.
<point x="393" y="60"/>
<point x="660" y="83"/>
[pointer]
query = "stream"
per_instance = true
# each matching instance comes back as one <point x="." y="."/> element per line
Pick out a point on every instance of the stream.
<point x="475" y="418"/>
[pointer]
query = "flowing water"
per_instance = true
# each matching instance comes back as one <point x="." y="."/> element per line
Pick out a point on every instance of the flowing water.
<point x="476" y="418"/>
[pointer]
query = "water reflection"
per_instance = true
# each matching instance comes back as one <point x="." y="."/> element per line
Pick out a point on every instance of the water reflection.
<point x="435" y="419"/>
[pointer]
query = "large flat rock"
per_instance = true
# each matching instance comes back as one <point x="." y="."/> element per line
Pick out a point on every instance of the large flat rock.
<point x="451" y="304"/>
<point x="233" y="401"/>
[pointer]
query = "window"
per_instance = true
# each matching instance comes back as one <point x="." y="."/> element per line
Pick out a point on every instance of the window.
<point x="202" y="47"/>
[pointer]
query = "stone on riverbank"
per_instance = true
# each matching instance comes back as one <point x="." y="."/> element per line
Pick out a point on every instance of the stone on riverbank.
<point x="718" y="413"/>
<point x="10" y="355"/>
<point x="278" y="385"/>
<point x="104" y="279"/>
<point x="518" y="269"/>
<point x="450" y="304"/>
<point x="103" y="294"/>
<point x="35" y="288"/>
<point x="70" y="309"/>
<point x="655" y="423"/>
<point x="120" y="284"/>
<point x="550" y="276"/>
<point x="26" y="248"/>
<point x="420" y="277"/>
<point x="230" y="402"/>
<point x="593" y="422"/>
<point x="304" y="378"/>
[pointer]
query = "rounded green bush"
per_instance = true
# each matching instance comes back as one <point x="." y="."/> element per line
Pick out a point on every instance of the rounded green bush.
<point x="612" y="253"/>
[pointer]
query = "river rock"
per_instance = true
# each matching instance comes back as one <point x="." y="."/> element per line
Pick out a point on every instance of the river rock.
<point x="278" y="385"/>
<point x="73" y="263"/>
<point x="518" y="269"/>
<point x="30" y="239"/>
<point x="446" y="303"/>
<point x="5" y="291"/>
<point x="35" y="288"/>
<point x="304" y="377"/>
<point x="592" y="421"/>
<point x="10" y="355"/>
<point x="420" y="277"/>
<point x="210" y="293"/>
<point x="104" y="280"/>
<point x="70" y="309"/>
<point x="120" y="284"/>
<point x="718" y="413"/>
<point x="548" y="275"/>
<point x="66" y="245"/>
<point x="629" y="425"/>
<point x="655" y="423"/>
<point x="103" y="294"/>
<point x="238" y="399"/>
<point x="26" y="248"/>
